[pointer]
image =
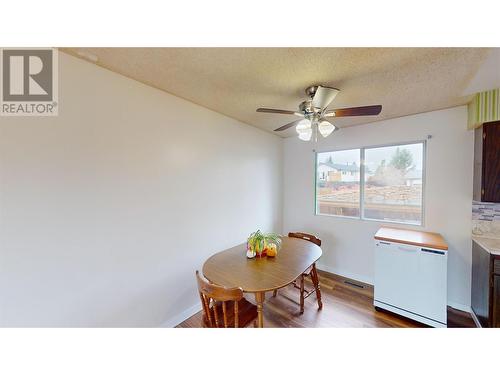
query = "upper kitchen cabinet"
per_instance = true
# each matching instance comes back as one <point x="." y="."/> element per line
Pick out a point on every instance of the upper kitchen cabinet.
<point x="487" y="162"/>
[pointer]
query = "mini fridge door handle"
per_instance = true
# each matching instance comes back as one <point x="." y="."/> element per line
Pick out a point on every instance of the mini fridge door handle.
<point x="431" y="251"/>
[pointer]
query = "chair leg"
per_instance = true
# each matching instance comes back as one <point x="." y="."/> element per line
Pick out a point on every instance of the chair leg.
<point x="275" y="292"/>
<point x="315" y="279"/>
<point x="302" y="294"/>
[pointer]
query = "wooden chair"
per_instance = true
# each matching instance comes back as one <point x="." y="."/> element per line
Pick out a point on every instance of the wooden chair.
<point x="310" y="272"/>
<point x="224" y="307"/>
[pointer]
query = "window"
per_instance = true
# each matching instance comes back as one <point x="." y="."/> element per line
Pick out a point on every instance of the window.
<point x="393" y="183"/>
<point x="387" y="186"/>
<point x="337" y="192"/>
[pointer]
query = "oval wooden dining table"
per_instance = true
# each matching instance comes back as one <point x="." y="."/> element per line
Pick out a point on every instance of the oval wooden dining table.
<point x="231" y="268"/>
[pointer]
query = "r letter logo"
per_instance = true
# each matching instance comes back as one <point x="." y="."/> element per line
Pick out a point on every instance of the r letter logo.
<point x="29" y="82"/>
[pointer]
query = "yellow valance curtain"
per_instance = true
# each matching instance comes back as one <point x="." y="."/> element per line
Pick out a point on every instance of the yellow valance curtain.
<point x="485" y="107"/>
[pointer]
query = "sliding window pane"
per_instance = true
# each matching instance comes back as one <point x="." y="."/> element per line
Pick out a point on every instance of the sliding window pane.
<point x="393" y="183"/>
<point x="337" y="183"/>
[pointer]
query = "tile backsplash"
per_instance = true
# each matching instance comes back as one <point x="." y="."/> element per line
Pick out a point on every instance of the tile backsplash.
<point x="486" y="219"/>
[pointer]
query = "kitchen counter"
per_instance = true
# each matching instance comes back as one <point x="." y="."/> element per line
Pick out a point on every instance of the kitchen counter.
<point x="491" y="245"/>
<point x="485" y="285"/>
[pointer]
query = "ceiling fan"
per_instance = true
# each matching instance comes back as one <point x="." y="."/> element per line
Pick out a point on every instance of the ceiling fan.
<point x="316" y="117"/>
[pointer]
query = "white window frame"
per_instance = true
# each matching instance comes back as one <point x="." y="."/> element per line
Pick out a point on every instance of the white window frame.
<point x="362" y="182"/>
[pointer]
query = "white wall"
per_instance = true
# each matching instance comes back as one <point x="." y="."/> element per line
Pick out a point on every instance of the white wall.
<point x="107" y="210"/>
<point x="348" y="243"/>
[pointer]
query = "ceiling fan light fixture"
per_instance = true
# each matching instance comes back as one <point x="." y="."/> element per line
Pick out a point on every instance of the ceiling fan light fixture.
<point x="305" y="135"/>
<point x="326" y="128"/>
<point x="302" y="125"/>
<point x="304" y="130"/>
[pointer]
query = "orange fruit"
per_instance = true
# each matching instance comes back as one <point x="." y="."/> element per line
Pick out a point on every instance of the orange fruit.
<point x="272" y="251"/>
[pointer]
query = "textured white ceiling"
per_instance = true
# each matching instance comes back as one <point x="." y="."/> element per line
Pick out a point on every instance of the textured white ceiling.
<point x="236" y="81"/>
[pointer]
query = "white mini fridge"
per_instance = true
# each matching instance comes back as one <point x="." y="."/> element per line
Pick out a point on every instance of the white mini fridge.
<point x="411" y="281"/>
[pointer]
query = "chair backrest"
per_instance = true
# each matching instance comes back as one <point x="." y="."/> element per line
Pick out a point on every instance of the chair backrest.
<point x="305" y="236"/>
<point x="210" y="295"/>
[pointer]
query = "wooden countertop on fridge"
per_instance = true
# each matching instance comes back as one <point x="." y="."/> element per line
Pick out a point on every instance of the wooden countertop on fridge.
<point x="412" y="237"/>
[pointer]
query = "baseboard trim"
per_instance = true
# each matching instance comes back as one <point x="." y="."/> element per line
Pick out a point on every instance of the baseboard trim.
<point x="459" y="306"/>
<point x="335" y="271"/>
<point x="182" y="316"/>
<point x="475" y="319"/>
<point x="347" y="275"/>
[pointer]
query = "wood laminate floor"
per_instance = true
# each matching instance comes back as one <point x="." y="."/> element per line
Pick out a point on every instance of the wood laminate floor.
<point x="344" y="305"/>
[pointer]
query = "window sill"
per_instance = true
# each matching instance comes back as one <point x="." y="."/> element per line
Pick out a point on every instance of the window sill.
<point x="373" y="220"/>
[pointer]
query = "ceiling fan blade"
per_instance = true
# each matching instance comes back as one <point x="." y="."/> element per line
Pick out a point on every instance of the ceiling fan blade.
<point x="280" y="111"/>
<point x="324" y="96"/>
<point x="287" y="126"/>
<point x="369" y="110"/>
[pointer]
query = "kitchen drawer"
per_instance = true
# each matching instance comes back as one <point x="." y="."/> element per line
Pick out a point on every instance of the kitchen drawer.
<point x="496" y="265"/>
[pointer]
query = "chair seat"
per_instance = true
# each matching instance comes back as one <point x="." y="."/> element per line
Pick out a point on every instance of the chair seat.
<point x="247" y="312"/>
